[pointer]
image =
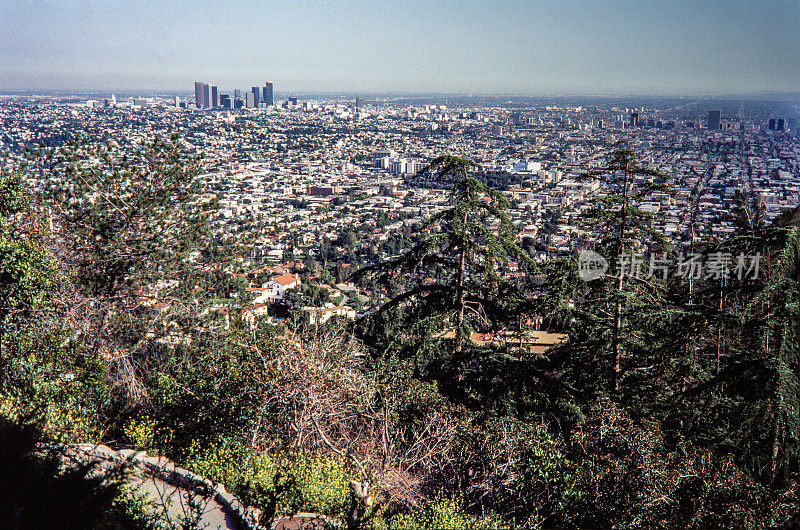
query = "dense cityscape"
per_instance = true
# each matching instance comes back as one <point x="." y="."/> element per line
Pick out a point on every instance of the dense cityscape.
<point x="293" y="175"/>
<point x="429" y="265"/>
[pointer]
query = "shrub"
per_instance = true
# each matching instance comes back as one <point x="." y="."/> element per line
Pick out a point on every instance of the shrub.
<point x="441" y="512"/>
<point x="300" y="482"/>
<point x="146" y="434"/>
<point x="280" y="484"/>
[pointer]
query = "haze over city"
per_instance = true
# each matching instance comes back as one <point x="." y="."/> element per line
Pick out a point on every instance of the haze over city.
<point x="532" y="48"/>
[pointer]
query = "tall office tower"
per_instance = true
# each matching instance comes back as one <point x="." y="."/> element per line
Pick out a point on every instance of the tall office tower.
<point x="237" y="93"/>
<point x="256" y="96"/>
<point x="238" y="103"/>
<point x="225" y="101"/>
<point x="214" y="103"/>
<point x="251" y="100"/>
<point x="293" y="100"/>
<point x="268" y="94"/>
<point x="772" y="124"/>
<point x="206" y="96"/>
<point x="781" y="125"/>
<point x="715" y="120"/>
<point x="359" y="103"/>
<point x="177" y="101"/>
<point x="199" y="94"/>
<point x="634" y="119"/>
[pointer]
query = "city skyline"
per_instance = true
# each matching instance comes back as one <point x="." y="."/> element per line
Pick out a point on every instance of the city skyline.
<point x="658" y="48"/>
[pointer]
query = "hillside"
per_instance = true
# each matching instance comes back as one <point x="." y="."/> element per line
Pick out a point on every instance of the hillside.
<point x="476" y="388"/>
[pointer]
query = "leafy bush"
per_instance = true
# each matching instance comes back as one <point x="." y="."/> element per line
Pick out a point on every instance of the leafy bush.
<point x="442" y="512"/>
<point x="631" y="475"/>
<point x="300" y="482"/>
<point x="60" y="389"/>
<point x="143" y="512"/>
<point x="146" y="434"/>
<point x="281" y="484"/>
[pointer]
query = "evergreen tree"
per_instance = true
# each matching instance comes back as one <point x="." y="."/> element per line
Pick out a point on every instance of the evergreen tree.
<point x="749" y="401"/>
<point x="449" y="283"/>
<point x="620" y="304"/>
<point x="449" y="286"/>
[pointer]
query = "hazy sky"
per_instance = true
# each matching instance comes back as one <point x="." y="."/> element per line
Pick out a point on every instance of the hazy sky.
<point x="521" y="47"/>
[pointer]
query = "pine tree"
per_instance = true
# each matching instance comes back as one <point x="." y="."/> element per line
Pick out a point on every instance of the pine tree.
<point x="449" y="284"/>
<point x="749" y="403"/>
<point x="623" y="231"/>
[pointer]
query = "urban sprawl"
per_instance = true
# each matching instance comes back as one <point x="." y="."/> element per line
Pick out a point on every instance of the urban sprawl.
<point x="303" y="182"/>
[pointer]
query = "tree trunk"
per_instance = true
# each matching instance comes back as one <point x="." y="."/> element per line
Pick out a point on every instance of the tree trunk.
<point x="462" y="265"/>
<point x="616" y="365"/>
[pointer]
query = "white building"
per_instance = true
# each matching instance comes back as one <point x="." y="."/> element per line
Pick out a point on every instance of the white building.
<point x="275" y="288"/>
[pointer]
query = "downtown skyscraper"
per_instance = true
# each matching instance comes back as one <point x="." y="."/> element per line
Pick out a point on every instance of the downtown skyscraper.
<point x="199" y="94"/>
<point x="268" y="94"/>
<point x="214" y="103"/>
<point x="715" y="119"/>
<point x="209" y="97"/>
<point x="205" y="95"/>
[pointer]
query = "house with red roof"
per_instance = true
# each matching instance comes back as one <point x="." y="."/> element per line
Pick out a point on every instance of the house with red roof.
<point x="275" y="288"/>
<point x="280" y="284"/>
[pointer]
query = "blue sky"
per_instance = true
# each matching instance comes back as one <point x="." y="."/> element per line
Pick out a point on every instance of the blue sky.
<point x="519" y="47"/>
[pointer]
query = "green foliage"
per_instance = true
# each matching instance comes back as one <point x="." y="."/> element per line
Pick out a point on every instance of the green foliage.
<point x="703" y="428"/>
<point x="309" y="294"/>
<point x="12" y="196"/>
<point x="441" y="512"/>
<point x="632" y="476"/>
<point x="613" y="309"/>
<point x="520" y="473"/>
<point x="281" y="484"/>
<point x="145" y="434"/>
<point x="62" y="389"/>
<point x="26" y="271"/>
<point x="131" y="229"/>
<point x="747" y="403"/>
<point x="444" y="513"/>
<point x="44" y="374"/>
<point x="547" y="480"/>
<point x="614" y="217"/>
<point x="118" y="211"/>
<point x="142" y="511"/>
<point x="505" y="459"/>
<point x="449" y="285"/>
<point x="312" y="483"/>
<point x="212" y="387"/>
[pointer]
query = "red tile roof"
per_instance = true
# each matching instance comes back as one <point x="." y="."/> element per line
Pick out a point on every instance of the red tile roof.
<point x="285" y="279"/>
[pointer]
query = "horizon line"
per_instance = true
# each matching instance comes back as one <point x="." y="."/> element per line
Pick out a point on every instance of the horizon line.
<point x="415" y="93"/>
